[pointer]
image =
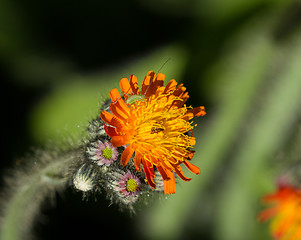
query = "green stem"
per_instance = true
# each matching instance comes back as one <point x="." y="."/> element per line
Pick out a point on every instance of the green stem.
<point x="25" y="199"/>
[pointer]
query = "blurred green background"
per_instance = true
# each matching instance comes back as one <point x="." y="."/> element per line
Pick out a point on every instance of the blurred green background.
<point x="241" y="59"/>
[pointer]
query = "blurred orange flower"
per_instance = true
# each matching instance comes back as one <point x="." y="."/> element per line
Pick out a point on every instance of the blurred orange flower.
<point x="286" y="213"/>
<point x="153" y="124"/>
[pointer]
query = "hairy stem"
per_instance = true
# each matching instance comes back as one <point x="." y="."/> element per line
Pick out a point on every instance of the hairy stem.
<point x="22" y="202"/>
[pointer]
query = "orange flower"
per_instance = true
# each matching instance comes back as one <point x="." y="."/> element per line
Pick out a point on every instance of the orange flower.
<point x="286" y="213"/>
<point x="153" y="124"/>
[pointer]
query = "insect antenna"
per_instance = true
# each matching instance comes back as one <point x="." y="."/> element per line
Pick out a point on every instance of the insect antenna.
<point x="163" y="64"/>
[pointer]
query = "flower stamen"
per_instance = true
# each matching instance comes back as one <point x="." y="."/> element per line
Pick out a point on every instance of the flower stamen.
<point x="107" y="153"/>
<point x="131" y="185"/>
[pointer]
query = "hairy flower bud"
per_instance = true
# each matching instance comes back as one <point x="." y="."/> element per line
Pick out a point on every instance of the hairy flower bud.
<point x="85" y="178"/>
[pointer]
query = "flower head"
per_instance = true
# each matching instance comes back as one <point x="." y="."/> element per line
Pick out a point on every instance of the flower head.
<point x="129" y="184"/>
<point x="126" y="186"/>
<point x="103" y="153"/>
<point x="154" y="124"/>
<point x="286" y="213"/>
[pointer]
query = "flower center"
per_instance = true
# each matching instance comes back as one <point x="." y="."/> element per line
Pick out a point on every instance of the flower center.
<point x="107" y="153"/>
<point x="131" y="185"/>
<point x="159" y="130"/>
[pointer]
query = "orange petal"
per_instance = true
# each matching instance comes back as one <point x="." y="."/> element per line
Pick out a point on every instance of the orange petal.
<point x="179" y="90"/>
<point x="198" y="111"/>
<point x="137" y="161"/>
<point x="106" y="116"/>
<point x="180" y="153"/>
<point x="152" y="74"/>
<point x="126" y="155"/>
<point x="111" y="131"/>
<point x="188" y="116"/>
<point x="118" y="141"/>
<point x="150" y="168"/>
<point x="122" y="106"/>
<point x="153" y="159"/>
<point x="118" y="111"/>
<point x="134" y="84"/>
<point x="170" y="185"/>
<point x="190" y="155"/>
<point x="194" y="112"/>
<point x="145" y="84"/>
<point x="163" y="172"/>
<point x="116" y="122"/>
<point x="179" y="103"/>
<point x="160" y="78"/>
<point x="171" y="85"/>
<point x="114" y="95"/>
<point x="192" y="167"/>
<point x="159" y="91"/>
<point x="148" y="174"/>
<point x="180" y="173"/>
<point x="158" y="82"/>
<point x="125" y="87"/>
<point x="167" y="165"/>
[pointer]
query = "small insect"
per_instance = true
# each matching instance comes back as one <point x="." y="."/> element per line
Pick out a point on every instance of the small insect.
<point x="156" y="130"/>
<point x="134" y="98"/>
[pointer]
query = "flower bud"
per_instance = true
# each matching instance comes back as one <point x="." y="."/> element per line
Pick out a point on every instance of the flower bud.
<point x="85" y="178"/>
